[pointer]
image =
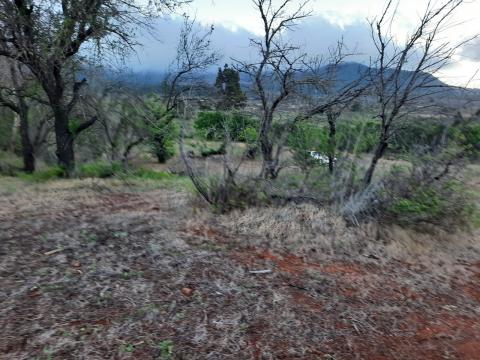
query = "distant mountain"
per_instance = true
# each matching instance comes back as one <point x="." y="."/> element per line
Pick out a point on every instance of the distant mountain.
<point x="151" y="81"/>
<point x="350" y="72"/>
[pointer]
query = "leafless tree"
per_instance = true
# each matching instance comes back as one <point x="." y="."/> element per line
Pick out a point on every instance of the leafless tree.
<point x="274" y="74"/>
<point x="283" y="72"/>
<point x="403" y="74"/>
<point x="47" y="37"/>
<point x="128" y="119"/>
<point x="194" y="55"/>
<point x="328" y="94"/>
<point x="121" y="115"/>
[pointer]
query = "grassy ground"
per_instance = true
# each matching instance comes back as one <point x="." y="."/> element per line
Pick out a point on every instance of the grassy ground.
<point x="108" y="269"/>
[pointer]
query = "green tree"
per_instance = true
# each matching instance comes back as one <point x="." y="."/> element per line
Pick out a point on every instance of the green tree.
<point x="227" y="84"/>
<point x="162" y="129"/>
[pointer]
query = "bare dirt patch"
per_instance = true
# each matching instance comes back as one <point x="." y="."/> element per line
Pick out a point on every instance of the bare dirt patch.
<point x="101" y="272"/>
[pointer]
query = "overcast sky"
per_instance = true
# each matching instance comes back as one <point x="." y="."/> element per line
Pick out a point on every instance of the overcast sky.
<point x="236" y="21"/>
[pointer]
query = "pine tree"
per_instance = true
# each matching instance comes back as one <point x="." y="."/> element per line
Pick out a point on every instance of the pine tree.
<point x="228" y="86"/>
<point x="220" y="81"/>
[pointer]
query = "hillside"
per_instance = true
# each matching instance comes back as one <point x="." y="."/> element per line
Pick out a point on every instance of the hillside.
<point x="151" y="81"/>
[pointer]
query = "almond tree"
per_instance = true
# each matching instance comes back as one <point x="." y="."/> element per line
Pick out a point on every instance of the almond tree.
<point x="48" y="37"/>
<point x="18" y="93"/>
<point x="328" y="94"/>
<point x="403" y="74"/>
<point x="274" y="74"/>
<point x="283" y="72"/>
<point x="194" y="55"/>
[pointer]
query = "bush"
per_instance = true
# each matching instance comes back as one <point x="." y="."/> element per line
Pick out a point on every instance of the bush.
<point x="422" y="205"/>
<point x="410" y="199"/>
<point x="6" y="125"/>
<point x="357" y="135"/>
<point x="51" y="173"/>
<point x="208" y="151"/>
<point x="10" y="164"/>
<point x="225" y="196"/>
<point x="447" y="205"/>
<point x="214" y="125"/>
<point x="148" y="174"/>
<point x="414" y="134"/>
<point x="304" y="138"/>
<point x="99" y="170"/>
<point x="468" y="137"/>
<point x="163" y="141"/>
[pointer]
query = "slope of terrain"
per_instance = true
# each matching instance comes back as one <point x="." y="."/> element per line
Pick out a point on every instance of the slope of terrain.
<point x="103" y="270"/>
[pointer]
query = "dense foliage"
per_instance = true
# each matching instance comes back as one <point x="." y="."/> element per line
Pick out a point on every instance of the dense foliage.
<point x="216" y="125"/>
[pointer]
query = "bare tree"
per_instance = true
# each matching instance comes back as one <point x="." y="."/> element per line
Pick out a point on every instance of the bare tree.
<point x="403" y="74"/>
<point x="121" y="116"/>
<point x="194" y="55"/>
<point x="284" y="72"/>
<point x="47" y="37"/>
<point x="328" y="94"/>
<point x="274" y="74"/>
<point x="128" y="120"/>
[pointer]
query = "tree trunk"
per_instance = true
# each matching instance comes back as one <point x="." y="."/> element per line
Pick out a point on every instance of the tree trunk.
<point x="252" y="152"/>
<point x="127" y="151"/>
<point x="269" y="164"/>
<point x="269" y="167"/>
<point x="332" y="144"/>
<point x="13" y="137"/>
<point x="160" y="149"/>
<point x="27" y="147"/>
<point x="379" y="152"/>
<point x="64" y="139"/>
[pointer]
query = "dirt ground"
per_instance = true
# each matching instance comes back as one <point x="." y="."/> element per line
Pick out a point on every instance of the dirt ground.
<point x="94" y="270"/>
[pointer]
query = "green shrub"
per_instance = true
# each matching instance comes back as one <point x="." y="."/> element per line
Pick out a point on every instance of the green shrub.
<point x="446" y="204"/>
<point x="468" y="137"/>
<point x="304" y="138"/>
<point x="6" y="125"/>
<point x="358" y="135"/>
<point x="99" y="170"/>
<point x="227" y="196"/>
<point x="208" y="151"/>
<point x="414" y="133"/>
<point x="10" y="164"/>
<point x="422" y="205"/>
<point x="148" y="174"/>
<point x="51" y="173"/>
<point x="215" y="125"/>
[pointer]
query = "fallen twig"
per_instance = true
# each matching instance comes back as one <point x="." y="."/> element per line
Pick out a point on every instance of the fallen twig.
<point x="260" y="271"/>
<point x="51" y="252"/>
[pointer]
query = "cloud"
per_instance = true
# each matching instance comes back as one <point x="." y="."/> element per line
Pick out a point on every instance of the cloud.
<point x="471" y="51"/>
<point x="315" y="35"/>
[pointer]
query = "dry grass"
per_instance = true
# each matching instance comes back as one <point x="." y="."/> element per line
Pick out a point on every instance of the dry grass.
<point x="112" y="287"/>
<point x="313" y="232"/>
